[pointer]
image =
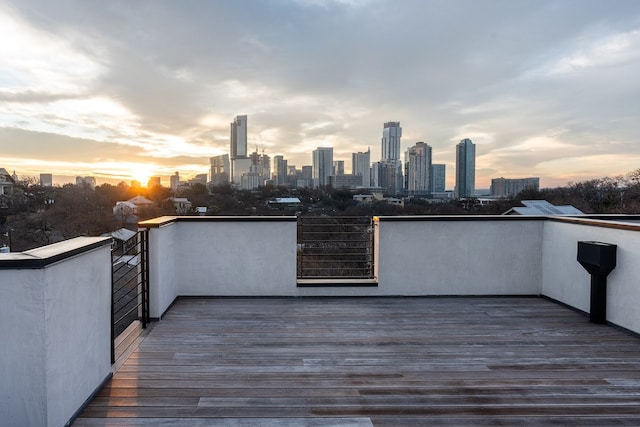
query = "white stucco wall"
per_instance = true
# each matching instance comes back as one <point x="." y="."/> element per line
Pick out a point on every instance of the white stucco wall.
<point x="78" y="331"/>
<point x="474" y="256"/>
<point x="565" y="280"/>
<point x="460" y="257"/>
<point x="244" y="258"/>
<point x="55" y="322"/>
<point x="163" y="260"/>
<point x="22" y="353"/>
<point x="220" y="257"/>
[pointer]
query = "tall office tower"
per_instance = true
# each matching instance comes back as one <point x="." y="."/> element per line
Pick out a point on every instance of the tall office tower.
<point x="418" y="173"/>
<point x="361" y="165"/>
<point x="391" y="135"/>
<point x="239" y="167"/>
<point x="439" y="178"/>
<point x="375" y="175"/>
<point x="387" y="175"/>
<point x="465" y="169"/>
<point x="338" y="167"/>
<point x="238" y="137"/>
<point x="280" y="170"/>
<point x="265" y="164"/>
<point x="306" y="177"/>
<point x="220" y="170"/>
<point x="322" y="167"/>
<point x="391" y="181"/>
<point x="175" y="181"/>
<point x="238" y="149"/>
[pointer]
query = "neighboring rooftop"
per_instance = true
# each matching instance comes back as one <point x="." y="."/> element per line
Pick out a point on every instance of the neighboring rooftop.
<point x="123" y="234"/>
<point x="542" y="207"/>
<point x="141" y="201"/>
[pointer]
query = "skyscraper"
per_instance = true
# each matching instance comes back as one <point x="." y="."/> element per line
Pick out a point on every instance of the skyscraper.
<point x="419" y="170"/>
<point x="238" y="149"/>
<point x="238" y="140"/>
<point x="174" y="180"/>
<point x="361" y="165"/>
<point x="465" y="169"/>
<point x="279" y="170"/>
<point x="391" y="134"/>
<point x="220" y="169"/>
<point x="439" y="178"/>
<point x="387" y="174"/>
<point x="322" y="167"/>
<point x="338" y="167"/>
<point x="306" y="177"/>
<point x="390" y="165"/>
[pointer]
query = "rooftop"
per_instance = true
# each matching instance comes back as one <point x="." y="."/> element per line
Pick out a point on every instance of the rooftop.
<point x="374" y="362"/>
<point x="476" y="320"/>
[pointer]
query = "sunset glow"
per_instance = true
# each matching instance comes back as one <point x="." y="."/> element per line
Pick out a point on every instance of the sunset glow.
<point x="541" y="90"/>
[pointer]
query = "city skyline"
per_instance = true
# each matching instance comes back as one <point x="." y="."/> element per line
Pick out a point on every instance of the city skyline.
<point x="123" y="91"/>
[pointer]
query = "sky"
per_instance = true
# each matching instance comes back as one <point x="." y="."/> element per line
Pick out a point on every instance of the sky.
<point x="125" y="89"/>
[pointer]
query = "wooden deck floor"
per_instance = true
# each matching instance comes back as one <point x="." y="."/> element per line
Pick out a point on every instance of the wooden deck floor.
<point x="374" y="362"/>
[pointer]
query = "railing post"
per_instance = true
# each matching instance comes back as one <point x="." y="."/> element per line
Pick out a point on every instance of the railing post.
<point x="113" y="315"/>
<point x="144" y="261"/>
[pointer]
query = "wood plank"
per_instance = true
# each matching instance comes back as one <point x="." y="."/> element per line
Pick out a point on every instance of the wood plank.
<point x="374" y="361"/>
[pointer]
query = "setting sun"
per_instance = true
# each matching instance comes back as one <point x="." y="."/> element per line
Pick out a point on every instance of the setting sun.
<point x="142" y="173"/>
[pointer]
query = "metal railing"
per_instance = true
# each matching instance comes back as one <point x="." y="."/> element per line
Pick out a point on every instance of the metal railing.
<point x="335" y="247"/>
<point x="130" y="285"/>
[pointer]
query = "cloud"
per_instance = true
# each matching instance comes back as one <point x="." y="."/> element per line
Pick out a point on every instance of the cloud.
<point x="163" y="80"/>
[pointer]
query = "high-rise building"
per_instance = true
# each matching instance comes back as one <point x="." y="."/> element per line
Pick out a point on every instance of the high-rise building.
<point x="390" y="166"/>
<point x="439" y="178"/>
<point x="322" y="167"/>
<point x="418" y="173"/>
<point x="175" y="181"/>
<point x="154" y="181"/>
<point x="387" y="175"/>
<point x="220" y="170"/>
<point x="46" y="180"/>
<point x="238" y="149"/>
<point x="250" y="181"/>
<point x="259" y="171"/>
<point x="506" y="187"/>
<point x="238" y="140"/>
<point x="239" y="167"/>
<point x="201" y="178"/>
<point x="391" y="135"/>
<point x="361" y="165"/>
<point x="465" y="169"/>
<point x="338" y="167"/>
<point x="261" y="164"/>
<point x="306" y="177"/>
<point x="280" y="170"/>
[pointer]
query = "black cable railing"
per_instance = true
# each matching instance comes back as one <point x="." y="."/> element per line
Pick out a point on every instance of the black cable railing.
<point x="335" y="247"/>
<point x="130" y="284"/>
